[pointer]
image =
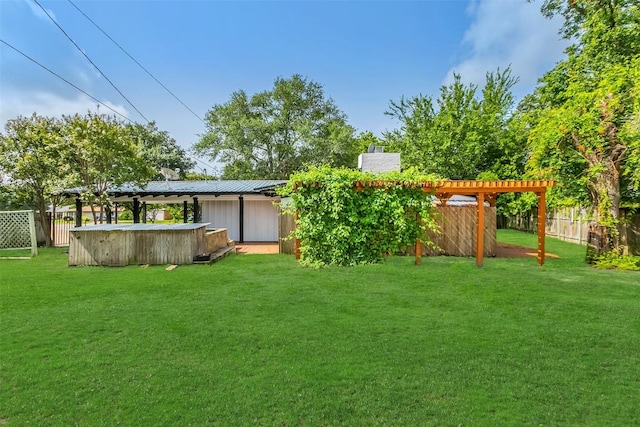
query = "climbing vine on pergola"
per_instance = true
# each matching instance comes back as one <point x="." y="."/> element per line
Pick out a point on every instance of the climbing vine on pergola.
<point x="339" y="223"/>
<point x="346" y="217"/>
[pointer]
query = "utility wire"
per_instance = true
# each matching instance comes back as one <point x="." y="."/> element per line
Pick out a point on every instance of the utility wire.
<point x="89" y="59"/>
<point x="101" y="73"/>
<point x="65" y="80"/>
<point x="138" y="63"/>
<point x="150" y="74"/>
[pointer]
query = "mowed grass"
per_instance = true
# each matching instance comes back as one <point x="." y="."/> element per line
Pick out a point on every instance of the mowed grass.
<point x="258" y="340"/>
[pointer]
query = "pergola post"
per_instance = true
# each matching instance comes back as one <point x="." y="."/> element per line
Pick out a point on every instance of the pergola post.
<point x="542" y="205"/>
<point x="480" y="231"/>
<point x="144" y="212"/>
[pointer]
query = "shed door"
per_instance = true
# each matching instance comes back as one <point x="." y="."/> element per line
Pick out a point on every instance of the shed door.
<point x="260" y="221"/>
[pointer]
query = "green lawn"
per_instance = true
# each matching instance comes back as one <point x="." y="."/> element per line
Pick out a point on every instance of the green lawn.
<point x="257" y="340"/>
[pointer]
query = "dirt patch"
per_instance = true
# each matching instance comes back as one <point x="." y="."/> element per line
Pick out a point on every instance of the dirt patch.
<point x="506" y="250"/>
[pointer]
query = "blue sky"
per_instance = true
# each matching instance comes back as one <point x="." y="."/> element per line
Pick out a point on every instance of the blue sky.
<point x="363" y="53"/>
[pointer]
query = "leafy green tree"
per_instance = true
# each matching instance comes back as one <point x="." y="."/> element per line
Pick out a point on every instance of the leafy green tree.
<point x="33" y="164"/>
<point x="464" y="134"/>
<point x="104" y="155"/>
<point x="583" y="115"/>
<point x="159" y="150"/>
<point x="271" y="134"/>
<point x="367" y="138"/>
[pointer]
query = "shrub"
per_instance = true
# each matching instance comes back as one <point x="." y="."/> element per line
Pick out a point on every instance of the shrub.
<point x="614" y="260"/>
<point x="126" y="215"/>
<point x="338" y="224"/>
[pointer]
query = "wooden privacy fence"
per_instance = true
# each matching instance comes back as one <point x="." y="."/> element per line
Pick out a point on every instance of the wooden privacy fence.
<point x="286" y="224"/>
<point x="572" y="225"/>
<point x="457" y="236"/>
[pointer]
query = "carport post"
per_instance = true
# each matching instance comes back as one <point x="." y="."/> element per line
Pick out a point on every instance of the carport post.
<point x="136" y="210"/>
<point x="185" y="210"/>
<point x="241" y="214"/>
<point x="196" y="210"/>
<point x="144" y="212"/>
<point x="78" y="212"/>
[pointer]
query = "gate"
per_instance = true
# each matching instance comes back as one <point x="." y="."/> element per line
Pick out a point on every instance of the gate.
<point x="60" y="226"/>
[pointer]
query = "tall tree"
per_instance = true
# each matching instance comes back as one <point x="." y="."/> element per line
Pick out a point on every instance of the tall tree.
<point x="582" y="115"/>
<point x="34" y="163"/>
<point x="463" y="134"/>
<point x="276" y="132"/>
<point x="104" y="155"/>
<point x="159" y="150"/>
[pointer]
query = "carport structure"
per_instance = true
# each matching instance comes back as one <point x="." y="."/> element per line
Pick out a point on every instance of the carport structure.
<point x="244" y="207"/>
<point x="484" y="191"/>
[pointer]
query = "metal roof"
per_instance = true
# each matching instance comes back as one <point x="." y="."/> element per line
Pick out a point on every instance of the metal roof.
<point x="194" y="188"/>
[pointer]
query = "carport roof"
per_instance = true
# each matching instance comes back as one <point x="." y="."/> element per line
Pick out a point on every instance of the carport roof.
<point x="193" y="188"/>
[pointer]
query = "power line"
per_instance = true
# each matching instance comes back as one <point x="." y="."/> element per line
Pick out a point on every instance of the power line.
<point x="89" y="59"/>
<point x="212" y="168"/>
<point x="65" y="80"/>
<point x="138" y="63"/>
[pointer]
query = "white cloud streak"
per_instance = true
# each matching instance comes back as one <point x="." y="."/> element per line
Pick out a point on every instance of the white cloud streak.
<point x="24" y="103"/>
<point x="38" y="12"/>
<point x="509" y="33"/>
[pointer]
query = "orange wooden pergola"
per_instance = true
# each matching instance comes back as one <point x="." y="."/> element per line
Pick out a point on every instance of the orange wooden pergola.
<point x="484" y="191"/>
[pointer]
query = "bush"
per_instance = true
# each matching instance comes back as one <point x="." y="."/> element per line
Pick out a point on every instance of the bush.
<point x="341" y="225"/>
<point x="126" y="215"/>
<point x="614" y="260"/>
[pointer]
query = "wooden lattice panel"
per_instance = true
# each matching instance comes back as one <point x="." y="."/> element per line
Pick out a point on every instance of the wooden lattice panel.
<point x="17" y="230"/>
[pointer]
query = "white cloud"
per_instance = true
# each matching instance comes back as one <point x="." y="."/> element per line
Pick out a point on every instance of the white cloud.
<point x="509" y="33"/>
<point x="37" y="11"/>
<point x="25" y="103"/>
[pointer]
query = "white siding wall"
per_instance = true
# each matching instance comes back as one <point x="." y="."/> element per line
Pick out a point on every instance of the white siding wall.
<point x="260" y="218"/>
<point x="223" y="214"/>
<point x="260" y="221"/>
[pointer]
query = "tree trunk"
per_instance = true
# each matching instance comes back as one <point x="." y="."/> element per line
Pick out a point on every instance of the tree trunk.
<point x="598" y="242"/>
<point x="45" y="222"/>
<point x="605" y="192"/>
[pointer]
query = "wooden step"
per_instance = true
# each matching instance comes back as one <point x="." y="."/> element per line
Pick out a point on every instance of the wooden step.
<point x="215" y="256"/>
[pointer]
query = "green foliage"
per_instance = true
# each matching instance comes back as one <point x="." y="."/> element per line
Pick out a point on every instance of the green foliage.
<point x="104" y="155"/>
<point x="177" y="211"/>
<point x="126" y="215"/>
<point x="271" y="134"/>
<point x="159" y="150"/>
<point x="615" y="260"/>
<point x="584" y="115"/>
<point x="338" y="225"/>
<point x="34" y="163"/>
<point x="463" y="134"/>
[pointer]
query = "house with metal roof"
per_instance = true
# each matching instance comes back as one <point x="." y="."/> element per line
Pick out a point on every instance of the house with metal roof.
<point x="244" y="207"/>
